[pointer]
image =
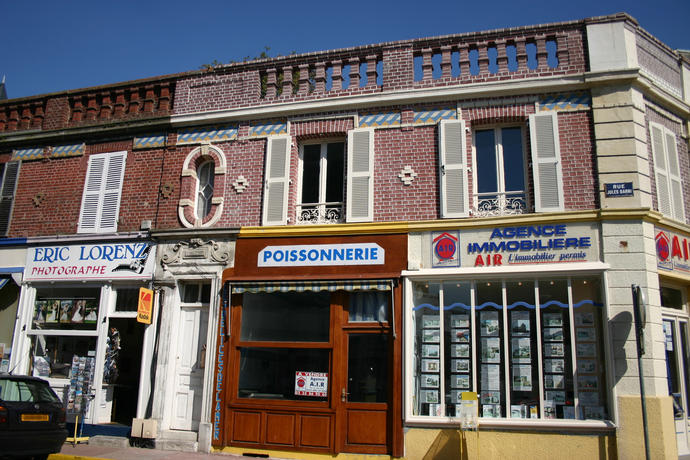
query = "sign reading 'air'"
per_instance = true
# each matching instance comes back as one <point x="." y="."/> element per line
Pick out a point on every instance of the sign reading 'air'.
<point x="322" y="255"/>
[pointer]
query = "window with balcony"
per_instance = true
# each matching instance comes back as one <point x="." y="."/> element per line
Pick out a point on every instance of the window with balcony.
<point x="499" y="159"/>
<point x="322" y="183"/>
<point x="328" y="172"/>
<point x="495" y="172"/>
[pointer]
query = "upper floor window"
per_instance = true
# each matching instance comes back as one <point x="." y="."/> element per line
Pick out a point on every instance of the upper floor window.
<point x="205" y="174"/>
<point x="498" y="168"/>
<point x="499" y="183"/>
<point x="8" y="183"/>
<point x="669" y="186"/>
<point x="100" y="204"/>
<point x="322" y="183"/>
<point x="327" y="175"/>
<point x="203" y="187"/>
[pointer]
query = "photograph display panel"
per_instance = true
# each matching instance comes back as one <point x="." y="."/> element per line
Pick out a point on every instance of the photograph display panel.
<point x="66" y="309"/>
<point x="538" y="344"/>
<point x="427" y="346"/>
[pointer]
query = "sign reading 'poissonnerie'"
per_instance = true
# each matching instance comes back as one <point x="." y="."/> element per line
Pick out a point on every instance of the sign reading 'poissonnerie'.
<point x="322" y="254"/>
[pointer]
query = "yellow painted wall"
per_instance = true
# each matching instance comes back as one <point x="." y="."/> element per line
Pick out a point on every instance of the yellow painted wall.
<point x="436" y="444"/>
<point x="661" y="427"/>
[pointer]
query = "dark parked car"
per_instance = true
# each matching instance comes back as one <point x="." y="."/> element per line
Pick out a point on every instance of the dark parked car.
<point x="32" y="419"/>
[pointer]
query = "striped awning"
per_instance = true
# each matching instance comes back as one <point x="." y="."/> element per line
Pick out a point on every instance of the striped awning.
<point x="302" y="286"/>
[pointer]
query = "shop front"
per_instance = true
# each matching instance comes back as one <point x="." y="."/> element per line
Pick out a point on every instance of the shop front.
<point x="77" y="326"/>
<point x="12" y="258"/>
<point x="310" y="346"/>
<point x="516" y="314"/>
<point x="673" y="262"/>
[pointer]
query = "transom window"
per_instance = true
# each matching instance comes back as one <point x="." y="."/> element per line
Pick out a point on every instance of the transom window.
<point x="205" y="173"/>
<point x="323" y="180"/>
<point x="499" y="171"/>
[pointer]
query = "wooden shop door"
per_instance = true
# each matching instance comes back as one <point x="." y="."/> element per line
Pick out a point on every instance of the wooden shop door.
<point x="363" y="390"/>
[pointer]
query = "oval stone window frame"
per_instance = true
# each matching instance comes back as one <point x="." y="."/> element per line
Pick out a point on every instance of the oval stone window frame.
<point x="190" y="185"/>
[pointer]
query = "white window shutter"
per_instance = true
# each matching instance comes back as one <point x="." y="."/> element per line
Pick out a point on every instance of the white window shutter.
<point x="453" y="169"/>
<point x="546" y="162"/>
<point x="112" y="191"/>
<point x="676" y="182"/>
<point x="8" y="180"/>
<point x="663" y="192"/>
<point x="276" y="180"/>
<point x="360" y="175"/>
<point x="100" y="203"/>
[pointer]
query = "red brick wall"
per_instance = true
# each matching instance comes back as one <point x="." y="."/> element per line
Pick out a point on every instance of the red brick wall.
<point x="153" y="185"/>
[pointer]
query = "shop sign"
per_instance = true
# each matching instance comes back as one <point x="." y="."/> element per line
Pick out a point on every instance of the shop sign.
<point x="90" y="261"/>
<point x="672" y="251"/>
<point x="311" y="384"/>
<point x="618" y="189"/>
<point x="530" y="244"/>
<point x="145" y="306"/>
<point x="321" y="255"/>
<point x="445" y="251"/>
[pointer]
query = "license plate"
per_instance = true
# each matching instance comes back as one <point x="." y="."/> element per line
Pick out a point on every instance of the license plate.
<point x="35" y="417"/>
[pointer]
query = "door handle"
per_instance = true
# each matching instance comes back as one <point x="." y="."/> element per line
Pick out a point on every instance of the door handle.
<point x="343" y="395"/>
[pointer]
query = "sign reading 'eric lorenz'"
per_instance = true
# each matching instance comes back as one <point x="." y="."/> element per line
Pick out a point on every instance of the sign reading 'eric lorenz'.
<point x="90" y="261"/>
<point x="322" y="255"/>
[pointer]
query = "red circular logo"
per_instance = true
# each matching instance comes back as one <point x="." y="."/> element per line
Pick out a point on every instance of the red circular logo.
<point x="301" y="382"/>
<point x="445" y="248"/>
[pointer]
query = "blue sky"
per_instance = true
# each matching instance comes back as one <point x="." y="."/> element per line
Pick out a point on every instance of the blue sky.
<point x="50" y="46"/>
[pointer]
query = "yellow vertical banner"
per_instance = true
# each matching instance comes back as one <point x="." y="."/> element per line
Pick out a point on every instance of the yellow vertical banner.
<point x="145" y="306"/>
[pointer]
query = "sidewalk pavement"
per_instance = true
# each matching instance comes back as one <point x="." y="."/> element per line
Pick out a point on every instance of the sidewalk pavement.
<point x="87" y="452"/>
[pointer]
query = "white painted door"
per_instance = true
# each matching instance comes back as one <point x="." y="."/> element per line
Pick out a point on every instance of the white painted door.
<point x="189" y="373"/>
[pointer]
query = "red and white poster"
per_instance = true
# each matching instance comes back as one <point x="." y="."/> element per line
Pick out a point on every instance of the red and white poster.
<point x="311" y="384"/>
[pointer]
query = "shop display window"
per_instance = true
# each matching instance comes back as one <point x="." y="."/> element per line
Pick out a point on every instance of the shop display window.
<point x="269" y="373"/>
<point x="368" y="306"/>
<point x="51" y="356"/>
<point x="66" y="309"/>
<point x="286" y="317"/>
<point x="531" y="349"/>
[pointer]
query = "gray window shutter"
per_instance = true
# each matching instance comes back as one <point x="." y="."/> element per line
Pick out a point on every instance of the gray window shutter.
<point x="546" y="162"/>
<point x="360" y="175"/>
<point x="663" y="194"/>
<point x="112" y="192"/>
<point x="8" y="180"/>
<point x="102" y="192"/>
<point x="674" y="177"/>
<point x="453" y="169"/>
<point x="276" y="180"/>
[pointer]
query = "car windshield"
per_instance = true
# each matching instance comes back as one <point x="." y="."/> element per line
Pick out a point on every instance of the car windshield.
<point x="26" y="391"/>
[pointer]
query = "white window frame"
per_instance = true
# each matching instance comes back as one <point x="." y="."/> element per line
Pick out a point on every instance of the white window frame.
<point x="321" y="205"/>
<point x="432" y="276"/>
<point x="99" y="184"/>
<point x="501" y="191"/>
<point x="668" y="201"/>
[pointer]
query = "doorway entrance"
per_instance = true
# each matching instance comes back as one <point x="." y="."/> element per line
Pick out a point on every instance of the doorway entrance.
<point x="190" y="356"/>
<point x="675" y="327"/>
<point x="128" y="364"/>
